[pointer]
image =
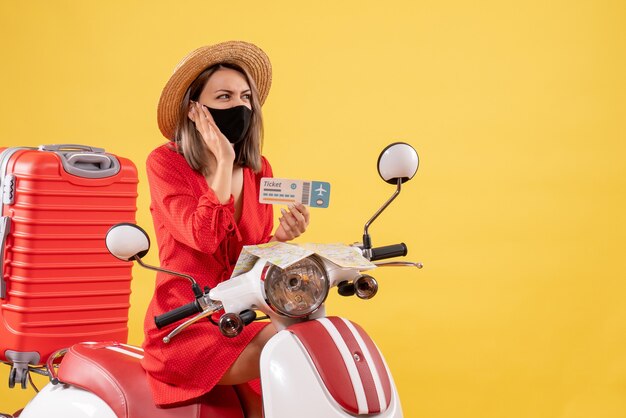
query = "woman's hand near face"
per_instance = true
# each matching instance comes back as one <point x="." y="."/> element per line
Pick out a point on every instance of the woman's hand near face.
<point x="293" y="222"/>
<point x="215" y="140"/>
<point x="221" y="177"/>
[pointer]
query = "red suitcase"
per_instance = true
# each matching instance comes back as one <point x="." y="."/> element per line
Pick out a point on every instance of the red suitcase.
<point x="58" y="284"/>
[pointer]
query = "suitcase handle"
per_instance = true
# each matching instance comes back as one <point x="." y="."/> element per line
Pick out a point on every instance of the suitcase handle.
<point x="5" y="228"/>
<point x="91" y="166"/>
<point x="70" y="147"/>
<point x="84" y="161"/>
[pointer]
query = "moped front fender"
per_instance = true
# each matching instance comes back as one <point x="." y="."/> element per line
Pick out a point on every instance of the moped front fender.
<point x="296" y="382"/>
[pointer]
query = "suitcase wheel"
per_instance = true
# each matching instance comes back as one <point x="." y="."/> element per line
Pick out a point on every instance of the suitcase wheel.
<point x="13" y="376"/>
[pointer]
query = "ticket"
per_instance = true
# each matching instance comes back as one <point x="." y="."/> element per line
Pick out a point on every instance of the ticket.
<point x="285" y="191"/>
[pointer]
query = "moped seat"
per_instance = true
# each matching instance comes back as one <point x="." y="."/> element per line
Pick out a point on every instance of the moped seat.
<point x="113" y="372"/>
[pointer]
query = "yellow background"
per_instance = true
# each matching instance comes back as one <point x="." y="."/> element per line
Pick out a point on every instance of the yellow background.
<point x="518" y="210"/>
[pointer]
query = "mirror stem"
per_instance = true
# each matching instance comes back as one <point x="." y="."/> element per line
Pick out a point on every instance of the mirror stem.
<point x="367" y="242"/>
<point x="194" y="284"/>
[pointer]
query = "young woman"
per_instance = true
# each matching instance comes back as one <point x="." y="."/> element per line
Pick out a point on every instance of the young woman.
<point x="204" y="187"/>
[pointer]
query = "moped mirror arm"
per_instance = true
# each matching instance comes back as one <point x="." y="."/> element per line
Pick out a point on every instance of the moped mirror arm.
<point x="127" y="242"/>
<point x="367" y="241"/>
<point x="194" y="285"/>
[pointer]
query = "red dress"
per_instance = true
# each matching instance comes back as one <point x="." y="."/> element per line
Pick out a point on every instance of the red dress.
<point x="198" y="236"/>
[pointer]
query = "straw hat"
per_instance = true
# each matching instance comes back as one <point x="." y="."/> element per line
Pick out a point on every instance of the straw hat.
<point x="248" y="56"/>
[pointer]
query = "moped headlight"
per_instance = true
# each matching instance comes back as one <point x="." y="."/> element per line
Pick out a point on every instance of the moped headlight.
<point x="298" y="290"/>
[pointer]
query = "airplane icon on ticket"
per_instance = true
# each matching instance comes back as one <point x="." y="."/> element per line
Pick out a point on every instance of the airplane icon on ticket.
<point x="321" y="190"/>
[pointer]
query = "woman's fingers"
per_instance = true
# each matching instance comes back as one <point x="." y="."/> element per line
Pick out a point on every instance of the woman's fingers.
<point x="288" y="220"/>
<point x="207" y="114"/>
<point x="302" y="213"/>
<point x="285" y="225"/>
<point x="295" y="220"/>
<point x="217" y="143"/>
<point x="199" y="119"/>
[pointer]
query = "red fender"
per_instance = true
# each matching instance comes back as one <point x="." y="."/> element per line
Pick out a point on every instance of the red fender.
<point x="348" y="363"/>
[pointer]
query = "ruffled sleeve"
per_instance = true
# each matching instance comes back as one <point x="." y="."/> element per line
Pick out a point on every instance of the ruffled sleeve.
<point x="201" y="223"/>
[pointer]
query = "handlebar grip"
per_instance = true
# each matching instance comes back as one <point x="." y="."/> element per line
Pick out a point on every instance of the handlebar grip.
<point x="177" y="314"/>
<point x="389" y="251"/>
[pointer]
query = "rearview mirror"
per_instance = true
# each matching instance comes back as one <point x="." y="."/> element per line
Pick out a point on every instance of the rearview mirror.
<point x="127" y="241"/>
<point x="398" y="161"/>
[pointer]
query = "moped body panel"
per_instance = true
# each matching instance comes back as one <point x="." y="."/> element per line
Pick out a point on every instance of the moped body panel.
<point x="293" y="385"/>
<point x="68" y="402"/>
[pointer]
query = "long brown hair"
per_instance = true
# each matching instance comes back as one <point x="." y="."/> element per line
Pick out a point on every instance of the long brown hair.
<point x="189" y="141"/>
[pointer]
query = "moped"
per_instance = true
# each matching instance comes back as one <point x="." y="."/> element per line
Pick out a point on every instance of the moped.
<point x="315" y="366"/>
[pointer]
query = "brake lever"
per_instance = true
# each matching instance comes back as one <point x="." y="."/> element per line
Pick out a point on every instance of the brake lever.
<point x="399" y="264"/>
<point x="209" y="310"/>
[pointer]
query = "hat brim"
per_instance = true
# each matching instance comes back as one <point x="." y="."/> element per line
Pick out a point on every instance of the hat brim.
<point x="243" y="54"/>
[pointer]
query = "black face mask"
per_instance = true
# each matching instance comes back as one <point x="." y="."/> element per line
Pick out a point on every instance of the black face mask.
<point x="232" y="122"/>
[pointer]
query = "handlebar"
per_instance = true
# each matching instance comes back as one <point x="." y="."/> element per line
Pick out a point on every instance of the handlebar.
<point x="195" y="307"/>
<point x="177" y="314"/>
<point x="389" y="251"/>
